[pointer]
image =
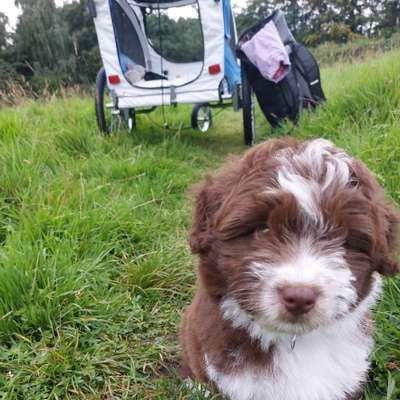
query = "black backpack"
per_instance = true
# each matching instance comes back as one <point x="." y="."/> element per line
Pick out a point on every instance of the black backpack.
<point x="301" y="88"/>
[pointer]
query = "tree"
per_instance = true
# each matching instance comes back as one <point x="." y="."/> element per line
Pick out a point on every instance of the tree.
<point x="389" y="20"/>
<point x="317" y="21"/>
<point x="180" y="40"/>
<point x="253" y="13"/>
<point x="56" y="45"/>
<point x="39" y="40"/>
<point x="3" y="31"/>
<point x="81" y="41"/>
<point x="59" y="44"/>
<point x="7" y="70"/>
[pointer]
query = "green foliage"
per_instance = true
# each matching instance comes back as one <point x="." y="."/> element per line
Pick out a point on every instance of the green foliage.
<point x="8" y="75"/>
<point x="389" y="16"/>
<point x="82" y="46"/>
<point x="95" y="268"/>
<point x="178" y="40"/>
<point x="3" y="31"/>
<point x="315" y="21"/>
<point x="55" y="47"/>
<point x="52" y="46"/>
<point x="39" y="36"/>
<point x="255" y="11"/>
<point x="330" y="53"/>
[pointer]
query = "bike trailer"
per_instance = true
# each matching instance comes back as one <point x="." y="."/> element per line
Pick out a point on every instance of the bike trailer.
<point x="147" y="63"/>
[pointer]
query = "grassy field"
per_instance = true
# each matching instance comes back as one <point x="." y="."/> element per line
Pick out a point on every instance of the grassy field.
<point x="353" y="51"/>
<point x="94" y="264"/>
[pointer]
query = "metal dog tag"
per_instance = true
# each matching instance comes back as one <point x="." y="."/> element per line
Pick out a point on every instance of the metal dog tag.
<point x="293" y="342"/>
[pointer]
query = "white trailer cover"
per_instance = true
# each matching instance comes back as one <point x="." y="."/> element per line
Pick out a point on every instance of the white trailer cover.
<point x="202" y="89"/>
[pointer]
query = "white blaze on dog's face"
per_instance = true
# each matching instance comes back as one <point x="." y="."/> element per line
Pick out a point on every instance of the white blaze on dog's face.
<point x="311" y="284"/>
<point x="295" y="234"/>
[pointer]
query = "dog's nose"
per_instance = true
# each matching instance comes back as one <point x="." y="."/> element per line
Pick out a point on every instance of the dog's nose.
<point x="298" y="300"/>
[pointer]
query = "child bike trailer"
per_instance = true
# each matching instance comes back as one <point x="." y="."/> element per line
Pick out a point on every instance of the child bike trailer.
<point x="165" y="53"/>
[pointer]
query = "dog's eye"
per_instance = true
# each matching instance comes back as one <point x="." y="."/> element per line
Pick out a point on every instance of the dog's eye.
<point x="263" y="228"/>
<point x="249" y="231"/>
<point x="354" y="182"/>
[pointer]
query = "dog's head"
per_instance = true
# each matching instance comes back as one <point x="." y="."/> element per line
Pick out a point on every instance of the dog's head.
<point x="293" y="233"/>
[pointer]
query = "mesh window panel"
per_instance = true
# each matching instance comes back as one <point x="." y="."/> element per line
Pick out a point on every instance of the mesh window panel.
<point x="127" y="38"/>
<point x="178" y="40"/>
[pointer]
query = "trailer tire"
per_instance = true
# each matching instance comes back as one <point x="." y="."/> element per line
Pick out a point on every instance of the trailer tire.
<point x="248" y="108"/>
<point x="101" y="85"/>
<point x="201" y="117"/>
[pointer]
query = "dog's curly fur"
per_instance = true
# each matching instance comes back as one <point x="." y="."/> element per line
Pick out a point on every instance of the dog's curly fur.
<point x="285" y="213"/>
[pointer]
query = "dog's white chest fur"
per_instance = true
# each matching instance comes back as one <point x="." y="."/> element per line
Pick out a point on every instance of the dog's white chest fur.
<point x="326" y="364"/>
<point x="323" y="366"/>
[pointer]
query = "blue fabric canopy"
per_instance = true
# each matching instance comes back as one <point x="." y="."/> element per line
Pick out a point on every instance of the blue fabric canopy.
<point x="232" y="69"/>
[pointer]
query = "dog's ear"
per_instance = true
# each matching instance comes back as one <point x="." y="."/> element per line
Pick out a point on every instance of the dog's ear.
<point x="387" y="244"/>
<point x="207" y="202"/>
<point x="214" y="191"/>
<point x="387" y="222"/>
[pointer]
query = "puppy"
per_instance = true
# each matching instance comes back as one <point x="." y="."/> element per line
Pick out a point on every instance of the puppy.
<point x="292" y="240"/>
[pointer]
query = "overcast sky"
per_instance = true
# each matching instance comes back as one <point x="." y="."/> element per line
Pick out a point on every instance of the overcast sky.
<point x="12" y="12"/>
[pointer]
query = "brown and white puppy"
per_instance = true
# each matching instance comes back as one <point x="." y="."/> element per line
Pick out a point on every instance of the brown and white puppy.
<point x="292" y="238"/>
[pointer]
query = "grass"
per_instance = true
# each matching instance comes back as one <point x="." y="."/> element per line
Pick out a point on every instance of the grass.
<point x="94" y="264"/>
<point x="353" y="51"/>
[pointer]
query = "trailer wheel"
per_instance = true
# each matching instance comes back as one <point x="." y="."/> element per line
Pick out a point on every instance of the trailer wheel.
<point x="201" y="117"/>
<point x="103" y="121"/>
<point x="111" y="119"/>
<point x="131" y="124"/>
<point x="129" y="116"/>
<point x="248" y="106"/>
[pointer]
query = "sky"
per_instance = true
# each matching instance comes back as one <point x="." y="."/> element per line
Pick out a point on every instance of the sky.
<point x="7" y="7"/>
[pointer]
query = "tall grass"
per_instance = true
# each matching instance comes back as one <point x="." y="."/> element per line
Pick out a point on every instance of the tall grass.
<point x="18" y="92"/>
<point x="331" y="53"/>
<point x="94" y="266"/>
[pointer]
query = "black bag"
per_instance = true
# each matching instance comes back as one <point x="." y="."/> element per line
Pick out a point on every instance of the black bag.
<point x="301" y="88"/>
